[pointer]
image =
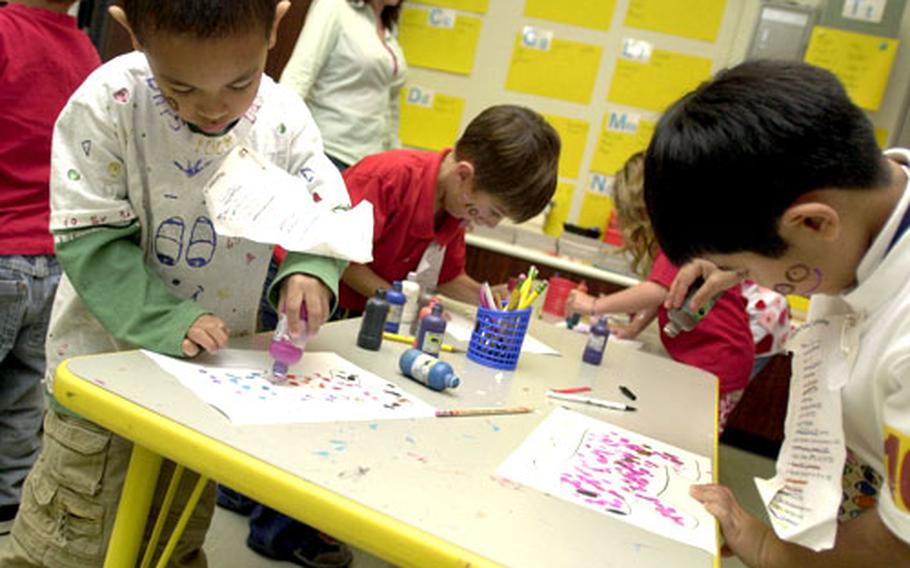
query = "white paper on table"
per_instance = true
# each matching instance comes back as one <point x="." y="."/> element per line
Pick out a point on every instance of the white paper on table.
<point x="618" y="473"/>
<point x="322" y="387"/>
<point x="803" y="498"/>
<point x="252" y="198"/>
<point x="460" y="329"/>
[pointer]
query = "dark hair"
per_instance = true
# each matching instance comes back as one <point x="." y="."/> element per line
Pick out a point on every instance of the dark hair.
<point x="729" y="158"/>
<point x="515" y="154"/>
<point x="208" y="19"/>
<point x="390" y="15"/>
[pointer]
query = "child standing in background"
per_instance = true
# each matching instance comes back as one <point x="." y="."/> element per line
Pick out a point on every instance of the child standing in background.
<point x="722" y="343"/>
<point x="43" y="58"/>
<point x="348" y="68"/>
<point x="142" y="264"/>
<point x="504" y="165"/>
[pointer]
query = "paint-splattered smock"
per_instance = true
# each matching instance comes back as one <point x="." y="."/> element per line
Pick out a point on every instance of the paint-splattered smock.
<point x="876" y="397"/>
<point x="141" y="257"/>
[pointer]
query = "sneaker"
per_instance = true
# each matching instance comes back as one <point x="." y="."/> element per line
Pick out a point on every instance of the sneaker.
<point x="7" y="516"/>
<point x="310" y="548"/>
<point x="229" y="499"/>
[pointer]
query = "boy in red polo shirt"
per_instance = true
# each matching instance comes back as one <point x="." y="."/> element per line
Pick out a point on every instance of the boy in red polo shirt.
<point x="504" y="165"/>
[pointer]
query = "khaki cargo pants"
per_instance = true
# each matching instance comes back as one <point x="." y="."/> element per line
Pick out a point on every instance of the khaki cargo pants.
<point x="70" y="499"/>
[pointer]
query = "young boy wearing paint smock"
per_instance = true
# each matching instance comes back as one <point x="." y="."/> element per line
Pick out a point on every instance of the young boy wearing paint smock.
<point x="143" y="266"/>
<point x="832" y="222"/>
<point x="504" y="165"/>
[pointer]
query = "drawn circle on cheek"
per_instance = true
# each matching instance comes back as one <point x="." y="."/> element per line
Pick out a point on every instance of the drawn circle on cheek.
<point x="473" y="212"/>
<point x="784" y="289"/>
<point x="797" y="273"/>
<point x="172" y="102"/>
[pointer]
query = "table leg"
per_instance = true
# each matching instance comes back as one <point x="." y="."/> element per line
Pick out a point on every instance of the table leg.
<point x="134" y="507"/>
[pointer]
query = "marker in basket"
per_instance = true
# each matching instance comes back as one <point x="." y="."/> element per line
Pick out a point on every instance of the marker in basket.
<point x="488" y="296"/>
<point x="591" y="401"/>
<point x="483" y="411"/>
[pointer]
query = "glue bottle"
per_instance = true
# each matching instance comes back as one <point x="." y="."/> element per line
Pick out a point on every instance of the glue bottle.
<point x="411" y="290"/>
<point x="373" y="322"/>
<point x="432" y="331"/>
<point x="597" y="342"/>
<point x="684" y="318"/>
<point x="428" y="370"/>
<point x="284" y="349"/>
<point x="396" y="303"/>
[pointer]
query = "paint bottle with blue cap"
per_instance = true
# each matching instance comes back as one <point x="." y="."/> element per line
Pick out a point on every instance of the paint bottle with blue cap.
<point x="428" y="370"/>
<point x="396" y="299"/>
<point x="597" y="342"/>
<point x="432" y="331"/>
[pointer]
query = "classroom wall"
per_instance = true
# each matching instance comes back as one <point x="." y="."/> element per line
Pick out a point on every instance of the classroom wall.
<point x="438" y="104"/>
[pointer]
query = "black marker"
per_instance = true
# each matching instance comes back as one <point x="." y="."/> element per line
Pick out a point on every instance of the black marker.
<point x="627" y="393"/>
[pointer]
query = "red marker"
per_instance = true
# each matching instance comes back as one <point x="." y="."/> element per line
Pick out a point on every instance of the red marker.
<point x="572" y="390"/>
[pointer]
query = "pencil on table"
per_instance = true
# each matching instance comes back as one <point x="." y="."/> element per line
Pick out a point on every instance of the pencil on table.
<point x="482" y="411"/>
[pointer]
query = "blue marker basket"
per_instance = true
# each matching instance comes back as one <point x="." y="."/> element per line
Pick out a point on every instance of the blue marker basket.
<point x="497" y="338"/>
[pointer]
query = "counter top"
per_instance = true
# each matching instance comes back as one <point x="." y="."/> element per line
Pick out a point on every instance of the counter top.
<point x="556" y="262"/>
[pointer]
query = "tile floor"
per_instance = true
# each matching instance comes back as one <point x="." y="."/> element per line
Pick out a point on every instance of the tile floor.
<point x="226" y="549"/>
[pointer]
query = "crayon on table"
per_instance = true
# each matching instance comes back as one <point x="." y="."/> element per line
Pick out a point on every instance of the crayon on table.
<point x="409" y="339"/>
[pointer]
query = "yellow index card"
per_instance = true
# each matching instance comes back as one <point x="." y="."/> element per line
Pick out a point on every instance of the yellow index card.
<point x="696" y="19"/>
<point x="552" y="67"/>
<point x="651" y="78"/>
<point x="477" y="6"/>
<point x="862" y="62"/>
<point x="594" y="14"/>
<point x="573" y="135"/>
<point x="438" y="38"/>
<point x="559" y="209"/>
<point x="622" y="135"/>
<point x="881" y="136"/>
<point x="597" y="205"/>
<point x="429" y="120"/>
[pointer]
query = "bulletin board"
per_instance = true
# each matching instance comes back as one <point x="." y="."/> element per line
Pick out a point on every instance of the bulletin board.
<point x="600" y="71"/>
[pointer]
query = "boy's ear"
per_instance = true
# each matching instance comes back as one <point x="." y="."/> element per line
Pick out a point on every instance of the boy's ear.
<point x="119" y="15"/>
<point x="464" y="170"/>
<point x="280" y="10"/>
<point x="819" y="220"/>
